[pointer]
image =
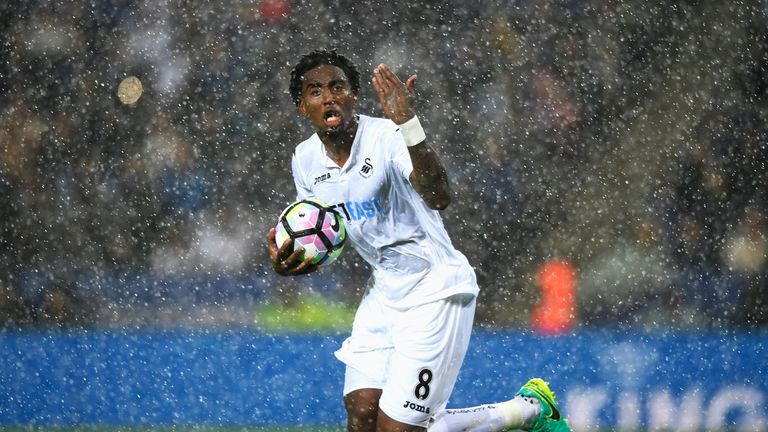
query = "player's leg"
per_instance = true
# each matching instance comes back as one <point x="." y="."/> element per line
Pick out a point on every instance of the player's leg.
<point x="366" y="354"/>
<point x="363" y="414"/>
<point x="387" y="424"/>
<point x="533" y="408"/>
<point x="550" y="419"/>
<point x="362" y="407"/>
<point x="517" y="413"/>
<point x="430" y="343"/>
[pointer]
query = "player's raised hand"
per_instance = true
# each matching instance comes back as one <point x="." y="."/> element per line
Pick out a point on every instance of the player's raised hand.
<point x="284" y="261"/>
<point x="397" y="98"/>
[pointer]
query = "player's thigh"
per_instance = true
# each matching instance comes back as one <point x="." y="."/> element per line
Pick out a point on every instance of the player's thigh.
<point x="366" y="352"/>
<point x="362" y="406"/>
<point x="385" y="423"/>
<point x="430" y="343"/>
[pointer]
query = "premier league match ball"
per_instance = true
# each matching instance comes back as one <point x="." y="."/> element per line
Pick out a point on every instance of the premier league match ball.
<point x="314" y="226"/>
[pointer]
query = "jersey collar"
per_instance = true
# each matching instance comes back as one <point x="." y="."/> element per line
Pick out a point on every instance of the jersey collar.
<point x="330" y="164"/>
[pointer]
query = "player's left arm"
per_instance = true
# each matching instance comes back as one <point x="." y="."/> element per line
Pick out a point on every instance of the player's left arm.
<point x="429" y="176"/>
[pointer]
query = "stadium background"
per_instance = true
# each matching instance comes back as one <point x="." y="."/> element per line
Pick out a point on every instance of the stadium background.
<point x="624" y="140"/>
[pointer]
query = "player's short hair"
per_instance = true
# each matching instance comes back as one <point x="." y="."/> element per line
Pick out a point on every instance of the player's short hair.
<point x="320" y="58"/>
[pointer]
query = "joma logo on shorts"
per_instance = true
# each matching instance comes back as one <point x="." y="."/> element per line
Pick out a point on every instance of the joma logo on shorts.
<point x="416" y="407"/>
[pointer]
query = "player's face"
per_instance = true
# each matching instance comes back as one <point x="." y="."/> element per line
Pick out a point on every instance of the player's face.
<point x="327" y="99"/>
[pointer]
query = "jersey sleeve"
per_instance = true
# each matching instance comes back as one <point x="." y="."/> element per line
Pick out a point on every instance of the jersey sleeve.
<point x="302" y="190"/>
<point x="399" y="154"/>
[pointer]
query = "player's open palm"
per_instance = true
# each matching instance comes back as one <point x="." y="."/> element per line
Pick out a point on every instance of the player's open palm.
<point x="397" y="98"/>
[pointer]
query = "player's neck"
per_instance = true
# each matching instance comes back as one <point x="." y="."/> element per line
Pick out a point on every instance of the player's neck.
<point x="338" y="147"/>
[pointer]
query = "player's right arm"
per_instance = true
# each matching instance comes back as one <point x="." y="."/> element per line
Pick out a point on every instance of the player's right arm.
<point x="285" y="262"/>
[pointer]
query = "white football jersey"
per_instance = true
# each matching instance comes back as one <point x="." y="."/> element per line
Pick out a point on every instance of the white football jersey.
<point x="387" y="221"/>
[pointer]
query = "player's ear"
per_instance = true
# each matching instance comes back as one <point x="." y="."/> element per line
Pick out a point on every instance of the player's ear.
<point x="302" y="107"/>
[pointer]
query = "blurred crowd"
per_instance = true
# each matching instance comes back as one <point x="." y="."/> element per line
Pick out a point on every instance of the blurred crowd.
<point x="627" y="139"/>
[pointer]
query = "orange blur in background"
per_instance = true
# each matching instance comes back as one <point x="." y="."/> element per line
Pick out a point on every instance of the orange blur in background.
<point x="555" y="313"/>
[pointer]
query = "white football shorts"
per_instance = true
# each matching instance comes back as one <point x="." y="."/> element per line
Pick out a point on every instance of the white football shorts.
<point x="413" y="355"/>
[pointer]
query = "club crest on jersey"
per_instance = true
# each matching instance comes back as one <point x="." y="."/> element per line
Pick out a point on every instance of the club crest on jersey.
<point x="367" y="169"/>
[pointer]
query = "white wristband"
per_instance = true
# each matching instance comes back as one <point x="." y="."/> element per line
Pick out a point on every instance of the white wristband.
<point x="412" y="132"/>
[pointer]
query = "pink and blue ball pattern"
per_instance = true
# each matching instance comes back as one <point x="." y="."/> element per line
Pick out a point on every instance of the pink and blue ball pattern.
<point x="315" y="227"/>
